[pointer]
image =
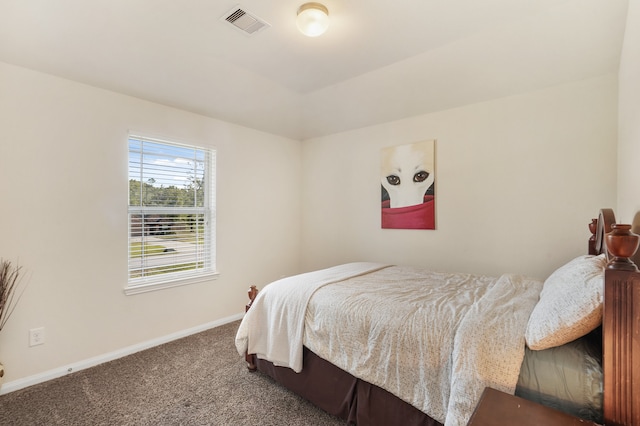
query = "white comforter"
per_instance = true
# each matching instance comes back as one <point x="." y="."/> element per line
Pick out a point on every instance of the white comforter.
<point x="434" y="340"/>
<point x="273" y="329"/>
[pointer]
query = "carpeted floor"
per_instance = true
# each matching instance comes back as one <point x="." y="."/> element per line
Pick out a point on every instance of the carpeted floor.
<point x="198" y="380"/>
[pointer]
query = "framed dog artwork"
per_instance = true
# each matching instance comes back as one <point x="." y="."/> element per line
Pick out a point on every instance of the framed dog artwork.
<point x="408" y="186"/>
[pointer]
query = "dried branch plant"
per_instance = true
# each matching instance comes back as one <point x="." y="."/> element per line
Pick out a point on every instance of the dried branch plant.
<point x="10" y="278"/>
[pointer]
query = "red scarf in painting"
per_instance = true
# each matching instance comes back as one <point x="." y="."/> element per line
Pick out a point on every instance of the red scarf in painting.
<point x="420" y="216"/>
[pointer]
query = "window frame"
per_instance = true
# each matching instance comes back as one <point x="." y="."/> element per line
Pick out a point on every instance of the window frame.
<point x="208" y="210"/>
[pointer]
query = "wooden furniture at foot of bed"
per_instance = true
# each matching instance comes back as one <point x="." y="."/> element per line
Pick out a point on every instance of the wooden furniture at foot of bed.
<point x="251" y="358"/>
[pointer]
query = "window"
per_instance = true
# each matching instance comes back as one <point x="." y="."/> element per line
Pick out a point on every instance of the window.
<point x="171" y="214"/>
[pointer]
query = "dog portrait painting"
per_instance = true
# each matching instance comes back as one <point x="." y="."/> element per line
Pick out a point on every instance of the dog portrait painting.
<point x="408" y="186"/>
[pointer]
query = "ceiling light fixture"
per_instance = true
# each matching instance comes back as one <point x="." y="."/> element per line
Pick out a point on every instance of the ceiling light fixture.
<point x="313" y="19"/>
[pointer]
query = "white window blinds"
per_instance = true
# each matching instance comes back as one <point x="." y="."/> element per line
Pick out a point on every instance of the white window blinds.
<point x="171" y="211"/>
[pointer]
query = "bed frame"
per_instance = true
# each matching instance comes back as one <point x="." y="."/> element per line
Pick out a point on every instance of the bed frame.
<point x="356" y="401"/>
<point x="620" y="325"/>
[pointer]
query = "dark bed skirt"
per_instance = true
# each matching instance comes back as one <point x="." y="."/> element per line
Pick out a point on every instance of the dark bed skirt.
<point x="339" y="393"/>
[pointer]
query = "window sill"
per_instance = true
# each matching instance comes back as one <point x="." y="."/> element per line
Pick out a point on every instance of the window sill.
<point x="146" y="287"/>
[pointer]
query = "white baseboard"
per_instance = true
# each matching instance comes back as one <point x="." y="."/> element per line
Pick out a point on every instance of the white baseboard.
<point x="15" y="385"/>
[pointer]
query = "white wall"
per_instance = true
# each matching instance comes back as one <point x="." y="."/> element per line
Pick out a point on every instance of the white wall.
<point x="629" y="120"/>
<point x="63" y="180"/>
<point x="517" y="181"/>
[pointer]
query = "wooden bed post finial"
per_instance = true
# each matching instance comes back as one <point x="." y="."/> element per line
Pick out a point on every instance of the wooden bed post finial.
<point x="622" y="244"/>
<point x="593" y="227"/>
<point x="252" y="293"/>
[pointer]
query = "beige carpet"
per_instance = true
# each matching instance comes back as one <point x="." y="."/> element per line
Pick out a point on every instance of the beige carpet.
<point x="198" y="380"/>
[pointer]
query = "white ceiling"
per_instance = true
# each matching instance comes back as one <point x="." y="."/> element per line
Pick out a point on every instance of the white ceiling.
<point x="379" y="61"/>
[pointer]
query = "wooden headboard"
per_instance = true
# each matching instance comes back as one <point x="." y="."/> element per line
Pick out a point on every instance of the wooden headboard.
<point x="620" y="324"/>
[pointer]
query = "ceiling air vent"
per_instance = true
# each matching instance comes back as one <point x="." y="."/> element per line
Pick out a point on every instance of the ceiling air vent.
<point x="244" y="21"/>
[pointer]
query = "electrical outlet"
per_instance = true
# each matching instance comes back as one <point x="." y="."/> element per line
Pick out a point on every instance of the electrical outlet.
<point x="36" y="336"/>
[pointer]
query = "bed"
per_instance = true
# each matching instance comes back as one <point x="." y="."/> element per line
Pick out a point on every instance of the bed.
<point x="380" y="344"/>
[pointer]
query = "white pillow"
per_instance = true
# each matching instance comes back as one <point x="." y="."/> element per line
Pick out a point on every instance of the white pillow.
<point x="570" y="304"/>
